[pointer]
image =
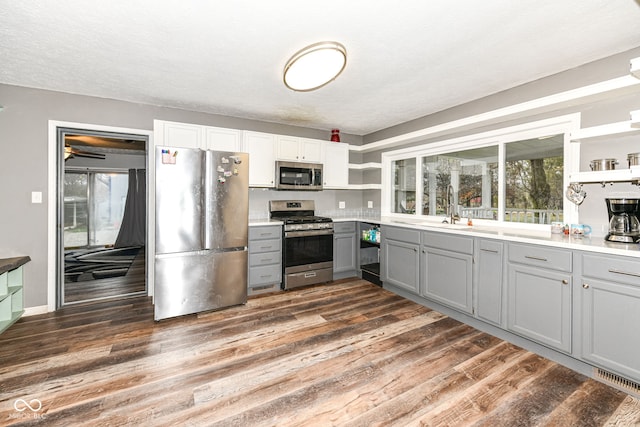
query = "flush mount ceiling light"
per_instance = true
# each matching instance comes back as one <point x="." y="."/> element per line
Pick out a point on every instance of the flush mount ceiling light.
<point x="315" y="66"/>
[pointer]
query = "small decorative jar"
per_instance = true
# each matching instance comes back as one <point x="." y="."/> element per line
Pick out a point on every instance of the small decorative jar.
<point x="335" y="135"/>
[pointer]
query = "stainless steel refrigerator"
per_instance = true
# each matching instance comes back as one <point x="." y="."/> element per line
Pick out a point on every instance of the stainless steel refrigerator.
<point x="202" y="206"/>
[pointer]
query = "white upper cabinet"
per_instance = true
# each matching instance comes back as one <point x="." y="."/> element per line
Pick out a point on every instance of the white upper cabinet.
<point x="335" y="160"/>
<point x="178" y="134"/>
<point x="262" y="158"/>
<point x="263" y="148"/>
<point x="222" y="139"/>
<point x="287" y="148"/>
<point x="296" y="149"/>
<point x="311" y="150"/>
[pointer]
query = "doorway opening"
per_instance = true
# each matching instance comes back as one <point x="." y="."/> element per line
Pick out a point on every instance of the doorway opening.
<point x="101" y="215"/>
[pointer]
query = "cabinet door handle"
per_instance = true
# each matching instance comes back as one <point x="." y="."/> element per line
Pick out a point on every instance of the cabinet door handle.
<point x="626" y="273"/>
<point x="565" y="282"/>
<point x="535" y="258"/>
<point x="493" y="251"/>
<point x="415" y="250"/>
<point x="585" y="286"/>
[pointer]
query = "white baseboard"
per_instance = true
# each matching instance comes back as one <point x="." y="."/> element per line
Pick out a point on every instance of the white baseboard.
<point x="32" y="311"/>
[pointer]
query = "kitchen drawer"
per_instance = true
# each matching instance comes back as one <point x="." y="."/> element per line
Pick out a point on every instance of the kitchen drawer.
<point x="344" y="227"/>
<point x="266" y="258"/>
<point x="448" y="242"/>
<point x="612" y="268"/>
<point x="259" y="246"/>
<point x="407" y="235"/>
<point x="265" y="232"/>
<point x="263" y="275"/>
<point x="541" y="256"/>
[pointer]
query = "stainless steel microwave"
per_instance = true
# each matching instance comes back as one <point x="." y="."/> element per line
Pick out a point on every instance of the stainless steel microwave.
<point x="298" y="176"/>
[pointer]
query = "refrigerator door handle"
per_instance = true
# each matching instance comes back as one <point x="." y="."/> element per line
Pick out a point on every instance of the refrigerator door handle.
<point x="208" y="192"/>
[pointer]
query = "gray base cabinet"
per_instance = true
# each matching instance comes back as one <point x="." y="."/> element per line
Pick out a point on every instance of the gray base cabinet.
<point x="583" y="307"/>
<point x="265" y="258"/>
<point x="610" y="313"/>
<point x="344" y="248"/>
<point x="447" y="267"/>
<point x="400" y="254"/>
<point x="489" y="281"/>
<point x="539" y="295"/>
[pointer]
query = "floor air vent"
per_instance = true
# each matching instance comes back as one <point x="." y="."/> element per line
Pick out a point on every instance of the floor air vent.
<point x="618" y="382"/>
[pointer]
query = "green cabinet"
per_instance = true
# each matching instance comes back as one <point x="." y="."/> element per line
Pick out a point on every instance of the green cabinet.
<point x="11" y="290"/>
<point x="609" y="303"/>
<point x="539" y="294"/>
<point x="400" y="253"/>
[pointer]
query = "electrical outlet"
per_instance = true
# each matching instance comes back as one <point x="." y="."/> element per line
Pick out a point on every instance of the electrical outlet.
<point x="370" y="204"/>
<point x="342" y="205"/>
<point x="36" y="197"/>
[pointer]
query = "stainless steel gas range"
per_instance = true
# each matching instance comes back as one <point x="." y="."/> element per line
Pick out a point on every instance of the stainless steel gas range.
<point x="307" y="245"/>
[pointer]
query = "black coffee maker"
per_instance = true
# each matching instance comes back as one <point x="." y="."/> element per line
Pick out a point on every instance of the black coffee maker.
<point x="624" y="220"/>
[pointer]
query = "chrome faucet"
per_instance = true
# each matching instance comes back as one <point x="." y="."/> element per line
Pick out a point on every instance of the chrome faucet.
<point x="453" y="216"/>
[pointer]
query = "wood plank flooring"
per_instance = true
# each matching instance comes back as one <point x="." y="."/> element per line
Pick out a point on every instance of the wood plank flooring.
<point x="131" y="283"/>
<point x="347" y="353"/>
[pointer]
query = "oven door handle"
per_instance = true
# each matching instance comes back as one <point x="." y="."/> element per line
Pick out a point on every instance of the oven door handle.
<point x="307" y="233"/>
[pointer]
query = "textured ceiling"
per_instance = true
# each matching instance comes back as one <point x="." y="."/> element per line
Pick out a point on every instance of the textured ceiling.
<point x="406" y="59"/>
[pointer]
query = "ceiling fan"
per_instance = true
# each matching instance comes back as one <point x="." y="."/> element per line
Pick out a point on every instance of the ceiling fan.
<point x="71" y="152"/>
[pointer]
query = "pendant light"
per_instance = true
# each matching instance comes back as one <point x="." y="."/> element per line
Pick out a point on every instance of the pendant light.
<point x="315" y="66"/>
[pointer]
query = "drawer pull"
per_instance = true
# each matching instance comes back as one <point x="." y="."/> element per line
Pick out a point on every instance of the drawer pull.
<point x="493" y="251"/>
<point x="265" y="247"/>
<point x="585" y="286"/>
<point x="535" y="258"/>
<point x="266" y="260"/>
<point x="264" y="276"/>
<point x="626" y="273"/>
<point x="565" y="282"/>
<point x="265" y="234"/>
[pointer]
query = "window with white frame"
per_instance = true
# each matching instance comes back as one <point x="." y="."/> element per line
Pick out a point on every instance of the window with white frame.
<point x="515" y="175"/>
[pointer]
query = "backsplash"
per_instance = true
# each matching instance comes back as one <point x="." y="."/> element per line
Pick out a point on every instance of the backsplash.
<point x="327" y="202"/>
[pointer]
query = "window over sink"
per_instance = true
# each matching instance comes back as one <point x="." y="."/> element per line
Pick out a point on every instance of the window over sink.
<point x="515" y="175"/>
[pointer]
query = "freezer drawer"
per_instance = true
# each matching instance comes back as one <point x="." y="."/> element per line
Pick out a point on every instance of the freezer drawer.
<point x="199" y="281"/>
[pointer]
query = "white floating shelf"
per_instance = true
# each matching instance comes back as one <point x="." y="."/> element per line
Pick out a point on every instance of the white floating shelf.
<point x="607" y="130"/>
<point x="635" y="119"/>
<point x="365" y="186"/>
<point x="620" y="175"/>
<point x="363" y="166"/>
<point x="635" y="67"/>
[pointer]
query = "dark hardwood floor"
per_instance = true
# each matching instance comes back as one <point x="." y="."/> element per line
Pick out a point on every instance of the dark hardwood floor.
<point x="131" y="283"/>
<point x="348" y="353"/>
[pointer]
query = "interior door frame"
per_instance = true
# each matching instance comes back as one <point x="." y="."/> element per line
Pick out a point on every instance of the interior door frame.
<point x="55" y="162"/>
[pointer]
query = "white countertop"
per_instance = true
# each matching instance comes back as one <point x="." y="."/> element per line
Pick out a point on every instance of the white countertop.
<point x="591" y="244"/>
<point x="263" y="221"/>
